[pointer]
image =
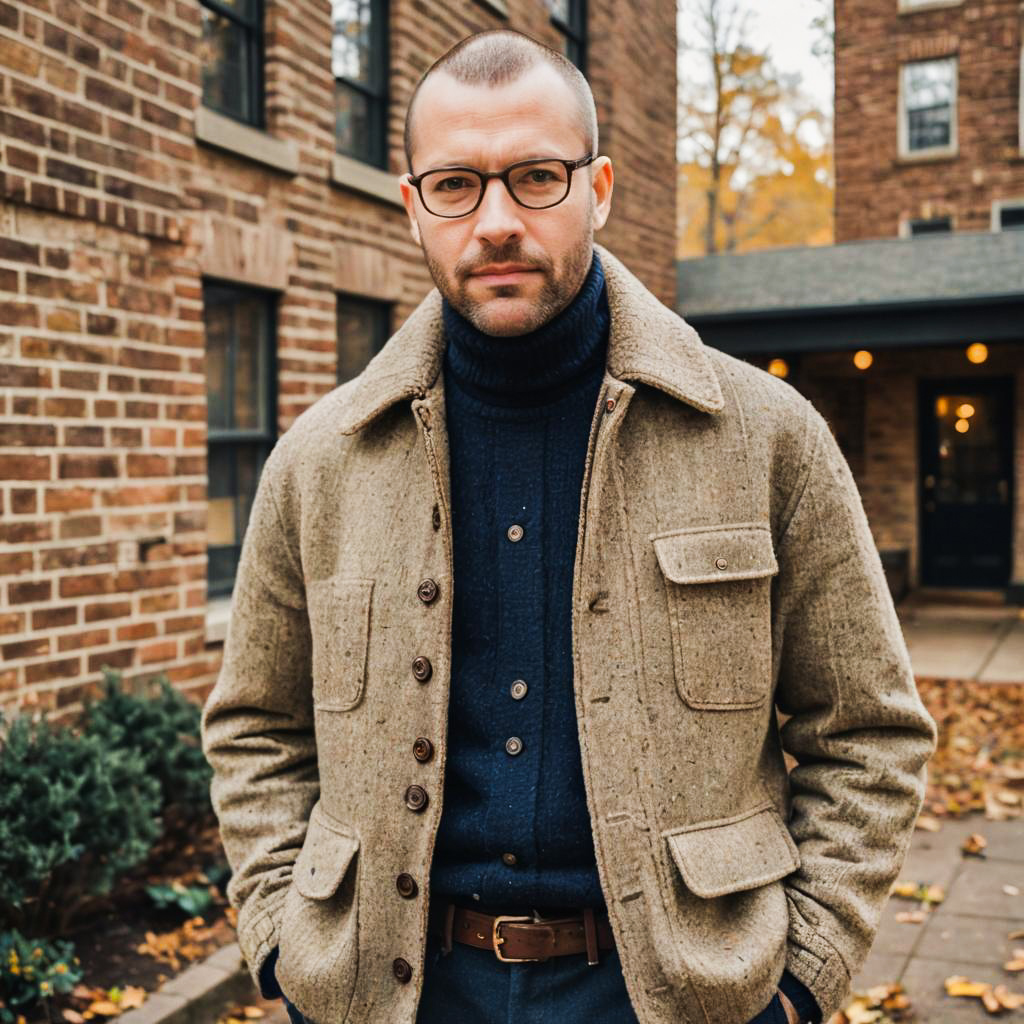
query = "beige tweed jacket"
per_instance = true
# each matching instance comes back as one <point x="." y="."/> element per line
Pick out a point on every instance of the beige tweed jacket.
<point x="724" y="568"/>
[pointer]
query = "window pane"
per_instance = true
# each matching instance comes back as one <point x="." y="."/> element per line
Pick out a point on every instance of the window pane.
<point x="250" y="366"/>
<point x="1011" y="217"/>
<point x="362" y="330"/>
<point x="220" y="490"/>
<point x="928" y="90"/>
<point x="560" y="9"/>
<point x="937" y="225"/>
<point x="218" y="342"/>
<point x="352" y="122"/>
<point x="351" y="43"/>
<point x="224" y="53"/>
<point x="245" y="9"/>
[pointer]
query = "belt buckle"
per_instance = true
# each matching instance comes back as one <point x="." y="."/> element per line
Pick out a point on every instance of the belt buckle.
<point x="497" y="940"/>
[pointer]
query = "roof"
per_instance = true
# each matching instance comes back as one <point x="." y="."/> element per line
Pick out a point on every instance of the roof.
<point x="962" y="266"/>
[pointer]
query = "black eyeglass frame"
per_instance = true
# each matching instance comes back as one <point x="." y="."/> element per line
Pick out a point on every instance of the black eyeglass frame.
<point x="485" y="177"/>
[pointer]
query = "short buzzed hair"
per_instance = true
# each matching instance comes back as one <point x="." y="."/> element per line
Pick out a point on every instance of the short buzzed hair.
<point x="501" y="55"/>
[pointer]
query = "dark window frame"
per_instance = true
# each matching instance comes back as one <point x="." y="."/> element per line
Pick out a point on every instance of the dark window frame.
<point x="1007" y="214"/>
<point x="575" y="32"/>
<point x="256" y="46"/>
<point x="382" y="324"/>
<point x="217" y="290"/>
<point x="919" y="227"/>
<point x="378" y="94"/>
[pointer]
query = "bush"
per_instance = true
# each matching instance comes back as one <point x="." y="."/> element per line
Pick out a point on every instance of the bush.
<point x="32" y="970"/>
<point x="75" y="814"/>
<point x="163" y="728"/>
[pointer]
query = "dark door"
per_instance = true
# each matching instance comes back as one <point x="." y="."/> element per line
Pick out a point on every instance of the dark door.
<point x="966" y="497"/>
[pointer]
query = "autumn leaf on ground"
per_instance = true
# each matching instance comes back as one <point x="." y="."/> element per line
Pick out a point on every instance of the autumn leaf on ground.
<point x="974" y="845"/>
<point x="192" y="941"/>
<point x="919" y="891"/>
<point x="240" y="1014"/>
<point x="995" y="998"/>
<point x="1016" y="963"/>
<point x="927" y="823"/>
<point x="883" y="1004"/>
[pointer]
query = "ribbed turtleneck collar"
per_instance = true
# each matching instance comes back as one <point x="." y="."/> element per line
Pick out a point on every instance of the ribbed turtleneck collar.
<point x="531" y="368"/>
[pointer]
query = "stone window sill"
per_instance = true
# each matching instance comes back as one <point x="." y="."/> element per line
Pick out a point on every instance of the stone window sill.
<point x="218" y="615"/>
<point x="214" y="129"/>
<point x="928" y="157"/>
<point x="931" y="5"/>
<point x="499" y="7"/>
<point x="361" y="177"/>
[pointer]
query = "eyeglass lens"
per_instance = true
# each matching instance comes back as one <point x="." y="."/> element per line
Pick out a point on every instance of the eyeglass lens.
<point x="450" y="193"/>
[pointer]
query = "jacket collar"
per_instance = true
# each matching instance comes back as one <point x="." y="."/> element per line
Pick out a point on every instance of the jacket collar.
<point x="647" y="342"/>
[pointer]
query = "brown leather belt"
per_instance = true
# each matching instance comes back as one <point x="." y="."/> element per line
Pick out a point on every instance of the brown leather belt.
<point x="516" y="939"/>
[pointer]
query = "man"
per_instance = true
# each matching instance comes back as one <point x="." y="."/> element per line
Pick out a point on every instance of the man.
<point x="552" y="564"/>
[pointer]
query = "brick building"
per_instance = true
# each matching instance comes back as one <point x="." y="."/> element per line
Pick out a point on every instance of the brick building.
<point x="908" y="335"/>
<point x="929" y="127"/>
<point x="201" y="233"/>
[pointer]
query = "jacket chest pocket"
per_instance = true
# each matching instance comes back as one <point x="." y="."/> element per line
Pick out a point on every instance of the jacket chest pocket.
<point x="339" y="618"/>
<point x="718" y="586"/>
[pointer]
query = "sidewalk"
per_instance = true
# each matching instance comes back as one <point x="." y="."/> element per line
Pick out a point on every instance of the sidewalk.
<point x="971" y="639"/>
<point x="966" y="933"/>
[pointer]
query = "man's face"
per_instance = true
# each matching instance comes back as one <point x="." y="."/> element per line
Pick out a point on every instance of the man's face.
<point x="485" y="128"/>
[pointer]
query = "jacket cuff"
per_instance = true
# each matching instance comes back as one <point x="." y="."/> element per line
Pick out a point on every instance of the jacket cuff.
<point x="268" y="985"/>
<point x="801" y="997"/>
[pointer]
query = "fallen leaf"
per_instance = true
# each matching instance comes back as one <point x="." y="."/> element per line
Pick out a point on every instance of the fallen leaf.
<point x="1011" y="890"/>
<point x="974" y="845"/>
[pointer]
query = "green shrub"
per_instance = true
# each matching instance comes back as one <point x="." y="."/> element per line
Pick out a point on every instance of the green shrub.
<point x="163" y="727"/>
<point x="31" y="971"/>
<point x="75" y="814"/>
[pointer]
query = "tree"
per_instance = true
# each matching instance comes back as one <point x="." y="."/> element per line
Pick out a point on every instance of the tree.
<point x="752" y="148"/>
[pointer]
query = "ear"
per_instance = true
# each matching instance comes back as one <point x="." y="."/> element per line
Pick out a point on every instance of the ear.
<point x="603" y="182"/>
<point x="409" y="198"/>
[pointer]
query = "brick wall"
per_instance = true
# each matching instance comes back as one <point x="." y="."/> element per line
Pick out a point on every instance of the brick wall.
<point x="875" y="188"/>
<point x="112" y="214"/>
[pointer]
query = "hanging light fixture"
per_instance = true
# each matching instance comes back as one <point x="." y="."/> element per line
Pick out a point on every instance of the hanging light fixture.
<point x="863" y="359"/>
<point x="977" y="353"/>
<point x="778" y="368"/>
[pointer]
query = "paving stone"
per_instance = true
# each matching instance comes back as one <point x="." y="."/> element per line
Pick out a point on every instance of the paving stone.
<point x="878" y="969"/>
<point x="924" y="981"/>
<point x="157" y="1007"/>
<point x="196" y="981"/>
<point x="978" y="890"/>
<point x="894" y="937"/>
<point x="1005" y="839"/>
<point x="957" y="648"/>
<point x="969" y="940"/>
<point x="227" y="958"/>
<point x="1007" y="662"/>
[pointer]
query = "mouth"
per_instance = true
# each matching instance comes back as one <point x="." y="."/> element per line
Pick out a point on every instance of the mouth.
<point x="506" y="277"/>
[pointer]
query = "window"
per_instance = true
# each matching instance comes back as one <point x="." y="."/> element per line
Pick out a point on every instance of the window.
<point x="570" y="17"/>
<point x="928" y="107"/>
<point x="363" y="327"/>
<point x="932" y="226"/>
<point x="241" y="418"/>
<point x="231" y="55"/>
<point x="1008" y="215"/>
<point x="359" y="61"/>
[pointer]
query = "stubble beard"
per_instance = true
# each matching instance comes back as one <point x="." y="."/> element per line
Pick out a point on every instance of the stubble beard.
<point x="555" y="293"/>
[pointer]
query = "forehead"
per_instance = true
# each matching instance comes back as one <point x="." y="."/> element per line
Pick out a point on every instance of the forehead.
<point x="488" y="128"/>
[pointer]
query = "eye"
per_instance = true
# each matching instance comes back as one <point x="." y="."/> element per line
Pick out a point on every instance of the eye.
<point x="444" y="181"/>
<point x="541" y="170"/>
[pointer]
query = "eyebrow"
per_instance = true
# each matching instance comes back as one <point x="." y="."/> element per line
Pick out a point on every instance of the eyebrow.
<point x="535" y="155"/>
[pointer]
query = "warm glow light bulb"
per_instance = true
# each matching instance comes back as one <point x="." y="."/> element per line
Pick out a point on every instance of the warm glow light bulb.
<point x="778" y="368"/>
<point x="941" y="406"/>
<point x="977" y="353"/>
<point x="863" y="359"/>
<point x="963" y="426"/>
<point x="965" y="411"/>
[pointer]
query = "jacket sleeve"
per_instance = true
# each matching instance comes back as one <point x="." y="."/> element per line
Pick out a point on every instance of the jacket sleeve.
<point x="257" y="725"/>
<point x="859" y="733"/>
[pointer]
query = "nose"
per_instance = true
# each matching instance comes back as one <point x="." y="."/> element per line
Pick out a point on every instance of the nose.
<point x="498" y="215"/>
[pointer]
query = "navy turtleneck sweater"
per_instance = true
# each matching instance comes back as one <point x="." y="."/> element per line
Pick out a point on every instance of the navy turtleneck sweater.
<point x="515" y="830"/>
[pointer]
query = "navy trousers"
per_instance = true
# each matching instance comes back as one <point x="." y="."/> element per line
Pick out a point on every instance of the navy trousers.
<point x="473" y="985"/>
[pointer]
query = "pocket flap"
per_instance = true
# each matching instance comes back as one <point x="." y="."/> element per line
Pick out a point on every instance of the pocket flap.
<point x="326" y="854"/>
<point x="704" y="554"/>
<point x="732" y="854"/>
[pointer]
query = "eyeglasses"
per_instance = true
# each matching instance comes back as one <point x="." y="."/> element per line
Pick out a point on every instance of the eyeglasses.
<point x="535" y="184"/>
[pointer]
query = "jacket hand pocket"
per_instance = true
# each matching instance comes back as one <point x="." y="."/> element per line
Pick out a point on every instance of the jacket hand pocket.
<point x="318" y="937"/>
<point x="727" y="855"/>
<point x="718" y="585"/>
<point x="339" y="618"/>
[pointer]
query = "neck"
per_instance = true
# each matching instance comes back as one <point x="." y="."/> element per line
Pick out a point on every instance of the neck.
<point x="536" y="366"/>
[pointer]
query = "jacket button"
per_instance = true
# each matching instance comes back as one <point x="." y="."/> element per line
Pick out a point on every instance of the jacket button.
<point x="427" y="591"/>
<point x="406" y="885"/>
<point x="508" y="859"/>
<point x="518" y="689"/>
<point x="721" y="563"/>
<point x="610" y="405"/>
<point x="422" y="749"/>
<point x="515" y="533"/>
<point x="416" y="798"/>
<point x="402" y="970"/>
<point x="422" y="670"/>
<point x="513" y="745"/>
